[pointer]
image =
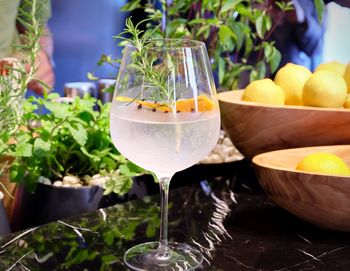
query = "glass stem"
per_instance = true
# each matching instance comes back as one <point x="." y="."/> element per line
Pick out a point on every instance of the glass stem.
<point x="163" y="250"/>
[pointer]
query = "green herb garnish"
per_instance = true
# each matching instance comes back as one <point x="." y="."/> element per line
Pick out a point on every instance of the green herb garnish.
<point x="156" y="77"/>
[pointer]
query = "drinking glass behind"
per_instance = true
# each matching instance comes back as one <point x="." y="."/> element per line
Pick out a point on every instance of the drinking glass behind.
<point x="165" y="118"/>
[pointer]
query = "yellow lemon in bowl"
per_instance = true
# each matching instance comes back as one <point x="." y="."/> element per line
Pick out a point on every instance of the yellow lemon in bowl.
<point x="324" y="163"/>
<point x="263" y="91"/>
<point x="333" y="66"/>
<point x="347" y="102"/>
<point x="324" y="89"/>
<point x="291" y="78"/>
<point x="347" y="76"/>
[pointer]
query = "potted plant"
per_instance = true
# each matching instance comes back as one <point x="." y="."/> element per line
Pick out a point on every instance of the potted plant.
<point x="15" y="74"/>
<point x="237" y="33"/>
<point x="67" y="158"/>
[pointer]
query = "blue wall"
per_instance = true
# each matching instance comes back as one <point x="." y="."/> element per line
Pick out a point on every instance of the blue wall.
<point x="82" y="32"/>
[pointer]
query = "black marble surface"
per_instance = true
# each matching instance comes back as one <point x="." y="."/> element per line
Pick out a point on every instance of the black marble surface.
<point x="220" y="211"/>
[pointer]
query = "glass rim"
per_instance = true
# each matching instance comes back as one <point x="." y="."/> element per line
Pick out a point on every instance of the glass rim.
<point x="185" y="43"/>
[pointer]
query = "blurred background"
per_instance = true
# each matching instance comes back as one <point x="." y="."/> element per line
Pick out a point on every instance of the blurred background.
<point x="83" y="30"/>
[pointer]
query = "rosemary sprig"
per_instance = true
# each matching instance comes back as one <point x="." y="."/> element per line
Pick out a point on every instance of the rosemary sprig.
<point x="13" y="84"/>
<point x="156" y="77"/>
<point x="14" y="77"/>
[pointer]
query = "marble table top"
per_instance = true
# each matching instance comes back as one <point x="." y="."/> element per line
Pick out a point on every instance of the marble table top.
<point x="233" y="224"/>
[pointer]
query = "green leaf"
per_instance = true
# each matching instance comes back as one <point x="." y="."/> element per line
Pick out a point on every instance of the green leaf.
<point x="24" y="149"/>
<point x="41" y="147"/>
<point x="16" y="172"/>
<point x="253" y="75"/>
<point x="319" y="4"/>
<point x="109" y="259"/>
<point x="275" y="60"/>
<point x="238" y="29"/>
<point x="94" y="158"/>
<point x="91" y="77"/>
<point x="174" y="9"/>
<point x="279" y="4"/>
<point x="248" y="46"/>
<point x="52" y="96"/>
<point x="267" y="22"/>
<point x="118" y="184"/>
<point x="123" y="187"/>
<point x="59" y="110"/>
<point x="23" y="137"/>
<point x="132" y="5"/>
<point x="125" y="171"/>
<point x="268" y="50"/>
<point x="244" y="11"/>
<point x="230" y="5"/>
<point x="47" y="127"/>
<point x="28" y="106"/>
<point x="78" y="132"/>
<point x="221" y="67"/>
<point x="205" y="30"/>
<point x="197" y="21"/>
<point x="108" y="163"/>
<point x="85" y="116"/>
<point x="135" y="169"/>
<point x="226" y="35"/>
<point x="214" y="21"/>
<point x="151" y="230"/>
<point x="108" y="238"/>
<point x="261" y="69"/>
<point x="259" y="25"/>
<point x="176" y="26"/>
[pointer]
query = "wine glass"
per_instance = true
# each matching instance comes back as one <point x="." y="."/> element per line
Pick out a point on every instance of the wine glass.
<point x="164" y="118"/>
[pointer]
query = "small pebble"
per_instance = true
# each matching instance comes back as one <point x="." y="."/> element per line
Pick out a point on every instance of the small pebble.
<point x="227" y="141"/>
<point x="44" y="180"/>
<point x="22" y="243"/>
<point x="70" y="180"/>
<point x="57" y="183"/>
<point x="223" y="152"/>
<point x="96" y="176"/>
<point x="228" y="150"/>
<point x="98" y="181"/>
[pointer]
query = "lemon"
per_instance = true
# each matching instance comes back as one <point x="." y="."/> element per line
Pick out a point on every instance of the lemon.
<point x="334" y="66"/>
<point x="347" y="76"/>
<point x="291" y="78"/>
<point x="324" y="89"/>
<point x="323" y="162"/>
<point x="347" y="102"/>
<point x="263" y="91"/>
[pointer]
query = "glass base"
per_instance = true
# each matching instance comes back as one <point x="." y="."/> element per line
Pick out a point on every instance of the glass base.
<point x="144" y="257"/>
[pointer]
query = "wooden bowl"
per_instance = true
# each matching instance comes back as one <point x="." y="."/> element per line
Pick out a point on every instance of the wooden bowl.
<point x="255" y="128"/>
<point x="323" y="200"/>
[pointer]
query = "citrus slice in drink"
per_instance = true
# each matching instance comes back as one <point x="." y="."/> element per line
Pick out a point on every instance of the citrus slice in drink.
<point x="202" y="104"/>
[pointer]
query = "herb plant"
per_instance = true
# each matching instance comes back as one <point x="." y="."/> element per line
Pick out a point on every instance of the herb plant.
<point x="72" y="140"/>
<point x="237" y="33"/>
<point x="14" y="77"/>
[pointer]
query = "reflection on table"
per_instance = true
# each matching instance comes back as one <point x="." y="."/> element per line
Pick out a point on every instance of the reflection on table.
<point x="221" y="211"/>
